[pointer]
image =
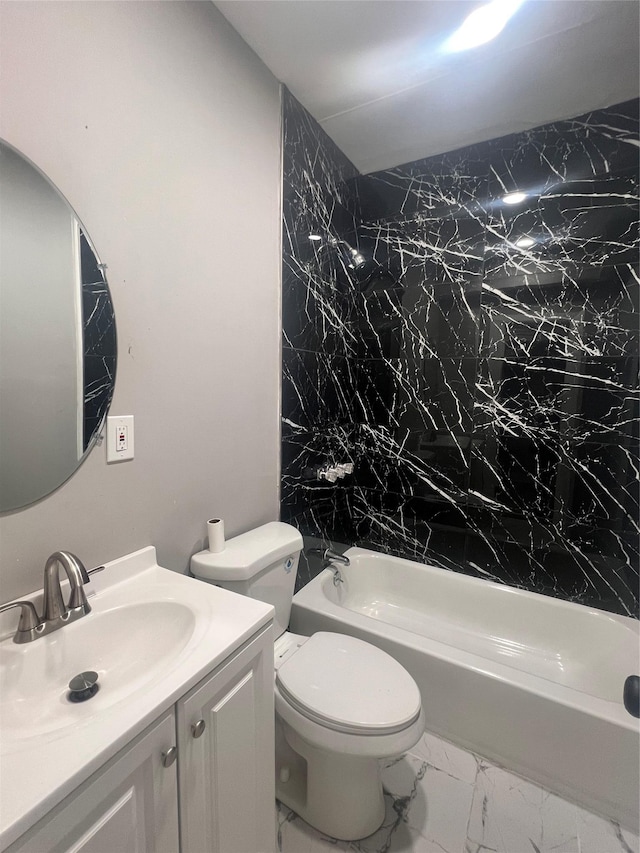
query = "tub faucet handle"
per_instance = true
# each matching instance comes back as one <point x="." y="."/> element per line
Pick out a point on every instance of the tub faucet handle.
<point x="329" y="474"/>
<point x="345" y="468"/>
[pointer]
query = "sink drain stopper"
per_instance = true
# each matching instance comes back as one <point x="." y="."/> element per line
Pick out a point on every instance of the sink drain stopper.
<point x="83" y="686"/>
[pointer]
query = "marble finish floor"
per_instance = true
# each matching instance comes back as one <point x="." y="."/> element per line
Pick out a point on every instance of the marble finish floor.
<point x="442" y="799"/>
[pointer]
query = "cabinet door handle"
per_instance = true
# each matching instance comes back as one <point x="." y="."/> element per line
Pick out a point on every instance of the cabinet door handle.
<point x="169" y="756"/>
<point x="198" y="728"/>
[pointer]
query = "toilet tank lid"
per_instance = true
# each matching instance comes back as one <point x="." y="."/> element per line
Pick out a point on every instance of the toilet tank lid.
<point x="246" y="555"/>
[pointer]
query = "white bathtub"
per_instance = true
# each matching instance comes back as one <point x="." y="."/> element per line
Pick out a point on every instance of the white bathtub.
<point x="532" y="682"/>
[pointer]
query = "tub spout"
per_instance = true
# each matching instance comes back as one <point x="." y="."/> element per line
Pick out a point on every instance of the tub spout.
<point x="330" y="557"/>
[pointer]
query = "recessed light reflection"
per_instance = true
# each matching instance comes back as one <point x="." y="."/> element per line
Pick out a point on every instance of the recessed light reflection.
<point x="482" y="25"/>
<point x="315" y="237"/>
<point x="525" y="242"/>
<point x="514" y="198"/>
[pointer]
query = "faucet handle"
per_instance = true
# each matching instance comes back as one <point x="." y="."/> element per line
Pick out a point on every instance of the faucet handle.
<point x="93" y="571"/>
<point x="28" y="623"/>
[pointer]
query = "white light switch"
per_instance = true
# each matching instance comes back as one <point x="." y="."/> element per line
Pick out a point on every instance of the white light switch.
<point x="119" y="438"/>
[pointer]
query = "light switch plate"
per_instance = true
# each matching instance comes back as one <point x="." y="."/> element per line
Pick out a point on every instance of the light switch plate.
<point x="120" y="443"/>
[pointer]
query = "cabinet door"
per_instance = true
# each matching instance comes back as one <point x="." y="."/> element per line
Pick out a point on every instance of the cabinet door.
<point x="226" y="773"/>
<point x="128" y="806"/>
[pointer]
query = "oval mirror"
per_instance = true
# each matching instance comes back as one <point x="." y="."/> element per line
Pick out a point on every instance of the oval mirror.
<point x="57" y="336"/>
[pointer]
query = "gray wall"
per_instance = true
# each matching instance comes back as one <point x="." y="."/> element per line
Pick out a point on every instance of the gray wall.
<point x="162" y="129"/>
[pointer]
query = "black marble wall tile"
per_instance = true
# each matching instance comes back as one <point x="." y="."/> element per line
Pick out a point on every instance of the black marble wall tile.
<point x="318" y="390"/>
<point x="428" y="530"/>
<point x="304" y="451"/>
<point x="320" y="212"/>
<point x="486" y="389"/>
<point x="604" y="489"/>
<point x="411" y="464"/>
<point x="418" y="319"/>
<point x="597" y="143"/>
<point x="592" y="222"/>
<point x="449" y="186"/>
<point x="559" y="399"/>
<point x="327" y="512"/>
<point x="315" y="317"/>
<point x="440" y="250"/>
<point x="578" y="312"/>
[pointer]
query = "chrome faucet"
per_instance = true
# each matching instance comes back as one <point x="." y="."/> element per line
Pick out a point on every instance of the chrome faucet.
<point x="53" y="605"/>
<point x="55" y="613"/>
<point x="330" y="557"/>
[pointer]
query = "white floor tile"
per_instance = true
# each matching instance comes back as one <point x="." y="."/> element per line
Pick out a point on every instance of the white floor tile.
<point x="396" y="837"/>
<point x="446" y="756"/>
<point x="442" y="799"/>
<point x="598" y="835"/>
<point x="433" y="803"/>
<point x="294" y="835"/>
<point x="559" y="827"/>
<point x="509" y="815"/>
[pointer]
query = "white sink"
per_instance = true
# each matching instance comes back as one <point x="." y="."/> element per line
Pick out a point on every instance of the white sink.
<point x="127" y="646"/>
<point x="151" y="636"/>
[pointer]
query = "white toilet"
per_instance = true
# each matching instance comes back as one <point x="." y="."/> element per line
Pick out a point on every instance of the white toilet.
<point x="341" y="704"/>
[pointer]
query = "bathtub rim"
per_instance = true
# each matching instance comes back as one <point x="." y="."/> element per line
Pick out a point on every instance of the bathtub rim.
<point x="483" y="583"/>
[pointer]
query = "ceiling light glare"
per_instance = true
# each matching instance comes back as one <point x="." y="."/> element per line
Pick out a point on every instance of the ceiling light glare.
<point x="525" y="242"/>
<point x="482" y="25"/>
<point x="514" y="198"/>
<point x="315" y="237"/>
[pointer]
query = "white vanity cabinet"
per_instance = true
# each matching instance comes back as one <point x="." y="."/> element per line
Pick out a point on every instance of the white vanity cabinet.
<point x="128" y="806"/>
<point x="218" y="797"/>
<point x="226" y="757"/>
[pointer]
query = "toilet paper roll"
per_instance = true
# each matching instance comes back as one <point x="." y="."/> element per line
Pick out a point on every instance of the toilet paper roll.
<point x="215" y="529"/>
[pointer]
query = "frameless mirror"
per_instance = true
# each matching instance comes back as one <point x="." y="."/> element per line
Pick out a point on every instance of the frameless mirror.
<point x="57" y="336"/>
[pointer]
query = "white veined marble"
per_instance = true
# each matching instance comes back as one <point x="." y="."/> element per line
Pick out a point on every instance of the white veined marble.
<point x="442" y="799"/>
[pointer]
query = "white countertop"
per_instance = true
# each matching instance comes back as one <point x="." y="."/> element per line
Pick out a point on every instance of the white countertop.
<point x="39" y="768"/>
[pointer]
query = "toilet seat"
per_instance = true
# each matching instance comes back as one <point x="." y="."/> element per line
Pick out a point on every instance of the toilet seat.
<point x="349" y="686"/>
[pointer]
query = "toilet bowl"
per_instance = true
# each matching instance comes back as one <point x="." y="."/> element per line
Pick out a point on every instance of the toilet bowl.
<point x="341" y="704"/>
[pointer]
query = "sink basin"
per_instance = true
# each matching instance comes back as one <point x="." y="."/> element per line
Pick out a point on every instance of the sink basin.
<point x="128" y="646"/>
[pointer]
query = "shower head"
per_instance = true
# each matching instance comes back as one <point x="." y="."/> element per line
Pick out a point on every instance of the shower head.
<point x="353" y="258"/>
<point x="359" y="269"/>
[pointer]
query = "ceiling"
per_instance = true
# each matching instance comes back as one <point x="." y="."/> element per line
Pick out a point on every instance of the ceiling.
<point x="373" y="73"/>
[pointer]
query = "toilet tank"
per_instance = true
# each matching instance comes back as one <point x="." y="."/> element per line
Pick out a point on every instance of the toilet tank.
<point x="262" y="563"/>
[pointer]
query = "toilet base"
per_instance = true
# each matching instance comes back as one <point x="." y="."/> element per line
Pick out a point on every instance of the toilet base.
<point x="337" y="794"/>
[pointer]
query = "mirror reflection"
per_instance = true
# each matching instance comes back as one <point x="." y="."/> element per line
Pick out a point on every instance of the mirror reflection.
<point x="57" y="336"/>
